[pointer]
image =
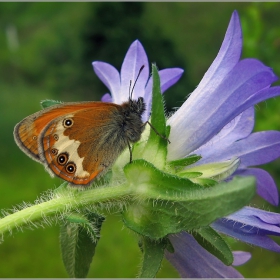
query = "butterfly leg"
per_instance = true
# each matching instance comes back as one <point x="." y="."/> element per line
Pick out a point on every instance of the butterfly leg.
<point x="130" y="152"/>
<point x="160" y="135"/>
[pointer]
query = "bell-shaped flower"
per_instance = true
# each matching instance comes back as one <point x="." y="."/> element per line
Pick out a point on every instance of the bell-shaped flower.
<point x="119" y="83"/>
<point x="213" y="127"/>
<point x="216" y="122"/>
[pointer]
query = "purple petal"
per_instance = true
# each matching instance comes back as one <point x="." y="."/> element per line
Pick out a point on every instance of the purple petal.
<point x="168" y="77"/>
<point x="109" y="75"/>
<point x="228" y="56"/>
<point x="261" y="96"/>
<point x="239" y="128"/>
<point x="240" y="257"/>
<point x="193" y="261"/>
<point x="266" y="187"/>
<point x="217" y="107"/>
<point x="135" y="58"/>
<point x="106" y="98"/>
<point x="258" y="148"/>
<point x="257" y="217"/>
<point x="252" y="226"/>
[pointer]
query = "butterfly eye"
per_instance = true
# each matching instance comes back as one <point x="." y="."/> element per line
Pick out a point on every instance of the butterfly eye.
<point x="68" y="122"/>
<point x="70" y="167"/>
<point x="62" y="159"/>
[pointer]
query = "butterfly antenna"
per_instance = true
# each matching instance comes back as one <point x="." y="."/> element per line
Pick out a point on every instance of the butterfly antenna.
<point x="140" y="70"/>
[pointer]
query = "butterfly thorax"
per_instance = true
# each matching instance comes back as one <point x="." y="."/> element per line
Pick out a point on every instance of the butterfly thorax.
<point x="132" y="124"/>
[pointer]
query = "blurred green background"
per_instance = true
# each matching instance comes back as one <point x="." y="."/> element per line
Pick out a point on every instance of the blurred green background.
<point x="46" y="50"/>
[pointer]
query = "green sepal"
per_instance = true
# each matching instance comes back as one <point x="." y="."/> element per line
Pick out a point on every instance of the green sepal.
<point x="153" y="253"/>
<point x="170" y="204"/>
<point x="157" y="112"/>
<point x="216" y="170"/>
<point x="205" y="182"/>
<point x="150" y="182"/>
<point x="191" y="175"/>
<point x="181" y="163"/>
<point x="78" y="239"/>
<point x="169" y="246"/>
<point x="168" y="129"/>
<point x="48" y="102"/>
<point x="155" y="149"/>
<point x="213" y="242"/>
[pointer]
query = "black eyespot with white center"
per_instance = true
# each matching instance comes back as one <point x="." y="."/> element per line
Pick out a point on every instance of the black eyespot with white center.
<point x="55" y="136"/>
<point x="68" y="122"/>
<point x="70" y="168"/>
<point x="62" y="159"/>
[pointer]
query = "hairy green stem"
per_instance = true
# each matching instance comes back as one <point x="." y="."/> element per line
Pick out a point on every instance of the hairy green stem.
<point x="61" y="202"/>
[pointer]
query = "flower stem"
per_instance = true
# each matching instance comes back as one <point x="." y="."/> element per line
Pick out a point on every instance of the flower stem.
<point x="61" y="202"/>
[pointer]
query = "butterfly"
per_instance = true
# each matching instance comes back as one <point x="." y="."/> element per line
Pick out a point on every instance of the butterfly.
<point x="79" y="141"/>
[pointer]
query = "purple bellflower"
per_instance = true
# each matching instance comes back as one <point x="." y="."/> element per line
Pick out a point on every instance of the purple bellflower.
<point x="119" y="83"/>
<point x="193" y="261"/>
<point x="215" y="122"/>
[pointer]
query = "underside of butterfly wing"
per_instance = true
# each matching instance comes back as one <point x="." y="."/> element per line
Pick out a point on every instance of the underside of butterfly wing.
<point x="27" y="132"/>
<point x="80" y="146"/>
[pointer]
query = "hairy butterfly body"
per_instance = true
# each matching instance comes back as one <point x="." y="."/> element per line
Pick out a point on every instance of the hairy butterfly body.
<point x="78" y="142"/>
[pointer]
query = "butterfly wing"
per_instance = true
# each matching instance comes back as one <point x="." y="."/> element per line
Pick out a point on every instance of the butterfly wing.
<point x="79" y="146"/>
<point x="26" y="132"/>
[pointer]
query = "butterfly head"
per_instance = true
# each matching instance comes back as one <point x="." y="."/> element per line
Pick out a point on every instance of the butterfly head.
<point x="137" y="106"/>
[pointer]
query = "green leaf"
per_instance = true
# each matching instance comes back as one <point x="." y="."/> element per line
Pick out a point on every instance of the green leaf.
<point x="210" y="240"/>
<point x="78" y="239"/>
<point x="153" y="253"/>
<point x="169" y="204"/>
<point x="155" y="150"/>
<point x="48" y="102"/>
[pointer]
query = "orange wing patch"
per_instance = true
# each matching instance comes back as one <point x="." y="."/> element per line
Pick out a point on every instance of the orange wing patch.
<point x="43" y="137"/>
<point x="27" y="132"/>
